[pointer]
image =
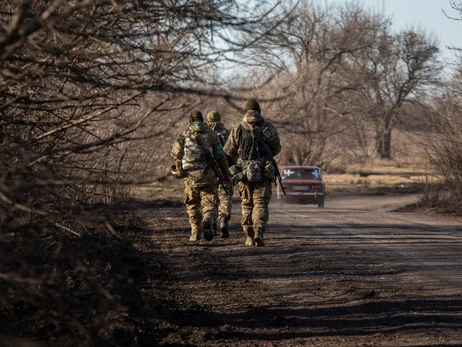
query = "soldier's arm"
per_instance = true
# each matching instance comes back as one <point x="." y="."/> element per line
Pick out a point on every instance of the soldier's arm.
<point x="231" y="145"/>
<point x="271" y="137"/>
<point x="276" y="149"/>
<point x="177" y="152"/>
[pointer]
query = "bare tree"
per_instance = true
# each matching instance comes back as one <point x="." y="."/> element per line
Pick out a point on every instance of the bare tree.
<point x="312" y="54"/>
<point x="398" y="69"/>
<point x="344" y="72"/>
<point x="79" y="79"/>
<point x="85" y="87"/>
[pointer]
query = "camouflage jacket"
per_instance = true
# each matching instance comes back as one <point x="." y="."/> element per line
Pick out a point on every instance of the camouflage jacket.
<point x="223" y="135"/>
<point x="221" y="131"/>
<point x="241" y="144"/>
<point x="192" y="156"/>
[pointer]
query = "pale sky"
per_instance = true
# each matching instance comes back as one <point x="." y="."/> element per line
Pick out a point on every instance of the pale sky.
<point x="426" y="14"/>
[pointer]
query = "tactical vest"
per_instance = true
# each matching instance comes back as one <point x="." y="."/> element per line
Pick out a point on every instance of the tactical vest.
<point x="249" y="147"/>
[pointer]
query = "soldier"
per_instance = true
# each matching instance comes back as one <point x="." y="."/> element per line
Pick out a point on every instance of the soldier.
<point x="259" y="172"/>
<point x="224" y="198"/>
<point x="192" y="152"/>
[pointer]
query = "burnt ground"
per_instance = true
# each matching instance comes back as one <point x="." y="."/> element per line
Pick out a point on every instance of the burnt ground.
<point x="352" y="274"/>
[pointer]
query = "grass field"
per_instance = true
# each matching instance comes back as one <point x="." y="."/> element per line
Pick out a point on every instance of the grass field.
<point x="382" y="176"/>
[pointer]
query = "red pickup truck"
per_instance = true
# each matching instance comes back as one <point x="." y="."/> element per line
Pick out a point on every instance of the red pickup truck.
<point x="303" y="184"/>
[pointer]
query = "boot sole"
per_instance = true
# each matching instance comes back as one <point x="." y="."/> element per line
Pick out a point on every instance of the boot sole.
<point x="224" y="233"/>
<point x="208" y="232"/>
<point x="208" y="235"/>
<point x="259" y="242"/>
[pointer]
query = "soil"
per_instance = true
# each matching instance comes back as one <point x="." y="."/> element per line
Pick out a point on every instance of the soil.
<point x="351" y="274"/>
<point x="354" y="273"/>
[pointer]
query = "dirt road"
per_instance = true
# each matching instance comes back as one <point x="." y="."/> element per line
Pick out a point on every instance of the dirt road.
<point x="351" y="274"/>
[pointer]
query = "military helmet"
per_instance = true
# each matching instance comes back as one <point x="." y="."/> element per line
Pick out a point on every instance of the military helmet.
<point x="196" y="116"/>
<point x="213" y="116"/>
<point x="252" y="105"/>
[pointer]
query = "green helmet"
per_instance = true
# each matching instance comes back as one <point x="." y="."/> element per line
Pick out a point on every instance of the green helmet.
<point x="213" y="116"/>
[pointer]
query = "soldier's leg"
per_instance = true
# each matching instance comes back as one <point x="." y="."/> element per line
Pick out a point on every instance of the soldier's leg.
<point x="209" y="196"/>
<point x="224" y="211"/>
<point x="260" y="213"/>
<point x="245" y="192"/>
<point x="192" y="201"/>
<point x="215" y="227"/>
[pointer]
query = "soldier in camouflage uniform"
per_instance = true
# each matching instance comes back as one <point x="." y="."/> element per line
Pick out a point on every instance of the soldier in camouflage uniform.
<point x="199" y="178"/>
<point x="244" y="147"/>
<point x="224" y="199"/>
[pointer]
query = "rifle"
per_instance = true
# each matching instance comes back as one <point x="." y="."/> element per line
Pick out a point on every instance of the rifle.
<point x="213" y="163"/>
<point x="277" y="174"/>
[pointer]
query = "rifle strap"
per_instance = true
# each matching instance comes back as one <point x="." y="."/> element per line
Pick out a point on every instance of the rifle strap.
<point x="250" y="127"/>
<point x="247" y="126"/>
<point x="200" y="141"/>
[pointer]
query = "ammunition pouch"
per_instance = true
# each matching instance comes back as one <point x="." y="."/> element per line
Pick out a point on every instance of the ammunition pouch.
<point x="259" y="169"/>
<point x="234" y="170"/>
<point x="253" y="171"/>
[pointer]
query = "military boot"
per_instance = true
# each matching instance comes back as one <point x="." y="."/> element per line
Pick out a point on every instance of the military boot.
<point x="224" y="225"/>
<point x="258" y="239"/>
<point x="208" y="232"/>
<point x="195" y="236"/>
<point x="249" y="237"/>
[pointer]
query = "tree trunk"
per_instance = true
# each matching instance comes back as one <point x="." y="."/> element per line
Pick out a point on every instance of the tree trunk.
<point x="383" y="143"/>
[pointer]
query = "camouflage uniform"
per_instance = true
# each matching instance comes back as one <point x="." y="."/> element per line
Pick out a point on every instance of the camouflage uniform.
<point x="200" y="186"/>
<point x="224" y="200"/>
<point x="255" y="196"/>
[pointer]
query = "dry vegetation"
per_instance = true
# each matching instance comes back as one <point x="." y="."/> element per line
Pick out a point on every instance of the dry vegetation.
<point x="92" y="94"/>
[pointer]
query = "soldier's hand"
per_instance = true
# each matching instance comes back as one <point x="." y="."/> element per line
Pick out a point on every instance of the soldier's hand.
<point x="178" y="173"/>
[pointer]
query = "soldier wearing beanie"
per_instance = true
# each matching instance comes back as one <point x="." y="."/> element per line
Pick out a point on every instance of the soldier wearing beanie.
<point x="196" y="116"/>
<point x="224" y="199"/>
<point x="257" y="172"/>
<point x="192" y="164"/>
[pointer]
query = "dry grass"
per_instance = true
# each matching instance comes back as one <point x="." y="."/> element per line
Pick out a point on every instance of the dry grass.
<point x="377" y="174"/>
<point x="404" y="165"/>
<point x="387" y="180"/>
<point x="404" y="174"/>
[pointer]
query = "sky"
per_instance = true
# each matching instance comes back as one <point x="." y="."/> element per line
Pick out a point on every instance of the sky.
<point x="425" y="14"/>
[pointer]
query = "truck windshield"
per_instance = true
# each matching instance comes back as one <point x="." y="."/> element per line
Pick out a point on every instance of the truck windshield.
<point x="301" y="174"/>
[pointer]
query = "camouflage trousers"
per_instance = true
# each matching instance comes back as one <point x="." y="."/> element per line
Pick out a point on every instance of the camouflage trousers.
<point x="201" y="204"/>
<point x="225" y="204"/>
<point x="255" y="198"/>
